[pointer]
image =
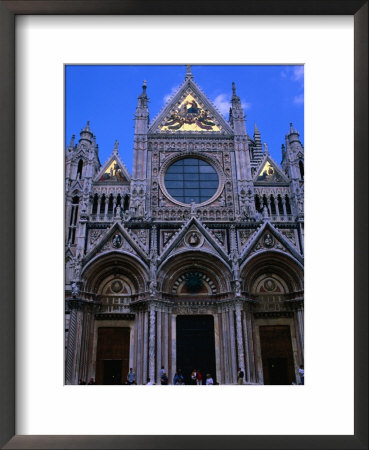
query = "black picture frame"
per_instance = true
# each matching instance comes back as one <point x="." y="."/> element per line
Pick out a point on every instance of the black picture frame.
<point x="8" y="12"/>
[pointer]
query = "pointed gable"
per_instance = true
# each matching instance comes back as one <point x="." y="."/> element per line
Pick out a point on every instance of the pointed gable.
<point x="269" y="172"/>
<point x="114" y="170"/>
<point x="190" y="111"/>
<point x="193" y="235"/>
<point x="269" y="238"/>
<point x="117" y="238"/>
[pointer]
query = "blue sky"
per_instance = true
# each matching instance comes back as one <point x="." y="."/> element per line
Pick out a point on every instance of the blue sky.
<point x="272" y="96"/>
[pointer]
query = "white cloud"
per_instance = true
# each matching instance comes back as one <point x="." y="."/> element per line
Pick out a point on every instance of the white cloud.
<point x="298" y="99"/>
<point x="169" y="95"/>
<point x="298" y="73"/>
<point x="295" y="74"/>
<point x="223" y="103"/>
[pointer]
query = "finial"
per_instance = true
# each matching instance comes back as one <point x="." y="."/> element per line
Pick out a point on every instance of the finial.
<point x="88" y="125"/>
<point x="188" y="72"/>
<point x="116" y="144"/>
<point x="234" y="88"/>
<point x="144" y="86"/>
<point x="266" y="151"/>
<point x="291" y="127"/>
<point x="256" y="130"/>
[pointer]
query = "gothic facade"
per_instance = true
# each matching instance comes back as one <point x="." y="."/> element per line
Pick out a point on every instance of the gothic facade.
<point x="195" y="260"/>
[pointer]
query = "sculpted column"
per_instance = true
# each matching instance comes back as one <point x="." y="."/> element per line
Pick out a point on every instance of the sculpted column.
<point x="152" y="344"/>
<point x="158" y="346"/>
<point x="233" y="348"/>
<point x="300" y="321"/>
<point x="240" y="350"/>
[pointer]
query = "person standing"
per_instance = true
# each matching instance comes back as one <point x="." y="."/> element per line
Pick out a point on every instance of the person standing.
<point x="199" y="378"/>
<point x="178" y="377"/>
<point x="162" y="371"/>
<point x="209" y="379"/>
<point x="164" y="379"/>
<point x="194" y="377"/>
<point x="240" y="376"/>
<point x="302" y="373"/>
<point x="131" y="377"/>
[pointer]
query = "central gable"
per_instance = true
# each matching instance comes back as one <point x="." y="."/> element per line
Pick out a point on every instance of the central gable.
<point x="189" y="111"/>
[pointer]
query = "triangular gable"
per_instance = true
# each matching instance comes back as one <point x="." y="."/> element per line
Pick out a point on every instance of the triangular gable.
<point x="76" y="186"/>
<point x="113" y="171"/>
<point x="193" y="236"/>
<point x="190" y="111"/>
<point x="269" y="172"/>
<point x="268" y="238"/>
<point x="117" y="238"/>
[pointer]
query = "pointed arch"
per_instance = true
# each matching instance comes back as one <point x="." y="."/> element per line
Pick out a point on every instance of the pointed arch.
<point x="215" y="274"/>
<point x="112" y="266"/>
<point x="276" y="265"/>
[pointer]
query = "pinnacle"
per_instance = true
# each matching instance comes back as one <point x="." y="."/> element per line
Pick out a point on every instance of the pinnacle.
<point x="189" y="75"/>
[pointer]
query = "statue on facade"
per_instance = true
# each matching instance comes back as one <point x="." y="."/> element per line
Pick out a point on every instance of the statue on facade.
<point x="268" y="240"/>
<point x="265" y="212"/>
<point x="237" y="288"/>
<point x="117" y="241"/>
<point x="235" y="265"/>
<point x="77" y="265"/>
<point x="75" y="289"/>
<point x="117" y="211"/>
<point x="194" y="239"/>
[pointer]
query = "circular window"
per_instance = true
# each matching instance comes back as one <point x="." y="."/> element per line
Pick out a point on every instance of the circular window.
<point x="191" y="180"/>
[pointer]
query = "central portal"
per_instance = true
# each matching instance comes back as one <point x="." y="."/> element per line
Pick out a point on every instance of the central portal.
<point x="196" y="346"/>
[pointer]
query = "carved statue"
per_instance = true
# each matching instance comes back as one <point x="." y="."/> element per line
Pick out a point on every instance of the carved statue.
<point x="265" y="212"/>
<point x="117" y="241"/>
<point x="75" y="289"/>
<point x="268" y="240"/>
<point x="194" y="239"/>
<point x="237" y="288"/>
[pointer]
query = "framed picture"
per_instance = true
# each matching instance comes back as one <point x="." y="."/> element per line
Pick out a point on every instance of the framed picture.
<point x="45" y="393"/>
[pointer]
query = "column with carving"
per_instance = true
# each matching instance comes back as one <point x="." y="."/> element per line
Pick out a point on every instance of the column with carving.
<point x="152" y="344"/>
<point x="71" y="346"/>
<point x="145" y="345"/>
<point x="300" y="321"/>
<point x="240" y="350"/>
<point x="233" y="347"/>
<point x="248" y="373"/>
<point x="158" y="346"/>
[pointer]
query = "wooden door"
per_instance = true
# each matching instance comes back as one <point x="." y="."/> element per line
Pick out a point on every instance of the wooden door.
<point x="277" y="355"/>
<point x="112" y="357"/>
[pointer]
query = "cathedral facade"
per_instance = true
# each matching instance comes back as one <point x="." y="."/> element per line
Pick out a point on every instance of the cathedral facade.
<point x="193" y="261"/>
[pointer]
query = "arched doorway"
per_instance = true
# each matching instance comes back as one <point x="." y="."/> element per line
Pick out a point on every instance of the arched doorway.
<point x="194" y="282"/>
<point x="115" y="280"/>
<point x="275" y="280"/>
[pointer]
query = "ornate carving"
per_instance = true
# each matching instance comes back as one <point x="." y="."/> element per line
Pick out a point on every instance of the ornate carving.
<point x="117" y="241"/>
<point x="95" y="236"/>
<point x="193" y="239"/>
<point x="268" y="240"/>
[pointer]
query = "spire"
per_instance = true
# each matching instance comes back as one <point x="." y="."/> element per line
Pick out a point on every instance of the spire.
<point x="116" y="145"/>
<point x="71" y="144"/>
<point x="142" y="99"/>
<point x="237" y="115"/>
<point x="258" y="149"/>
<point x="189" y="75"/>
<point x="86" y="133"/>
<point x="236" y="102"/>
